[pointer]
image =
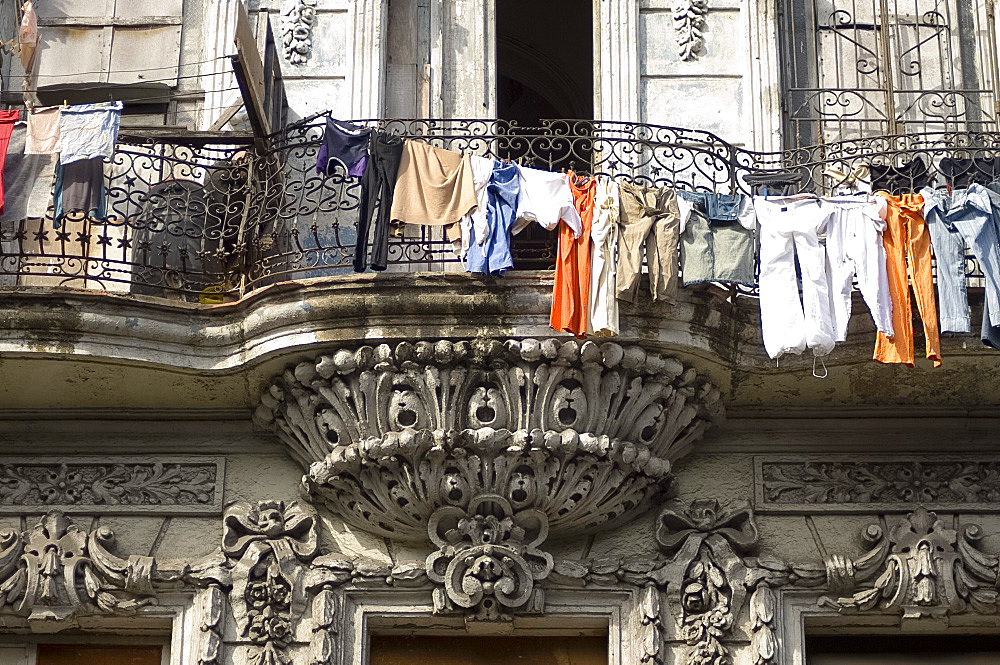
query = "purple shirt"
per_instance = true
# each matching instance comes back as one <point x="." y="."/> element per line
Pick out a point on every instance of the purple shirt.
<point x="345" y="143"/>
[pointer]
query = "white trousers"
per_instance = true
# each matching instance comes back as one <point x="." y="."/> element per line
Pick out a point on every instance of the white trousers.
<point x="790" y="228"/>
<point x="603" y="303"/>
<point x="854" y="249"/>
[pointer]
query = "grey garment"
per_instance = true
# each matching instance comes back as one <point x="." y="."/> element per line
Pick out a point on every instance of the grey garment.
<point x="80" y="187"/>
<point x="964" y="217"/>
<point x="718" y="250"/>
<point x="27" y="179"/>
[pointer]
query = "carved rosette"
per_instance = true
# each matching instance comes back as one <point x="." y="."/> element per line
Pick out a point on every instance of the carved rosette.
<point x="585" y="433"/>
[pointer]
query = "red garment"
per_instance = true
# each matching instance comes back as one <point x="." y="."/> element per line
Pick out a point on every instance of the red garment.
<point x="7" y="120"/>
<point x="571" y="286"/>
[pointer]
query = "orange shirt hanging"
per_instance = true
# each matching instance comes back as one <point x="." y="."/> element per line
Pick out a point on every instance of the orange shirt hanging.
<point x="571" y="285"/>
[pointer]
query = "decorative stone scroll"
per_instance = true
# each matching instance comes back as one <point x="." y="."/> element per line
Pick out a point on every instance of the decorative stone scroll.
<point x="487" y="558"/>
<point x="586" y="433"/>
<point x="924" y="569"/>
<point x="689" y="27"/>
<point x="131" y="485"/>
<point x="297" y="18"/>
<point x="56" y="570"/>
<point x="707" y="578"/>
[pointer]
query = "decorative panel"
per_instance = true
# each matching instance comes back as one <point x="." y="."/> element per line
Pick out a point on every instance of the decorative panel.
<point x="120" y="485"/>
<point x="875" y="484"/>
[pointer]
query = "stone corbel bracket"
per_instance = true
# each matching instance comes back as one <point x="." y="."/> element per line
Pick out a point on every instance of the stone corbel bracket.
<point x="585" y="433"/>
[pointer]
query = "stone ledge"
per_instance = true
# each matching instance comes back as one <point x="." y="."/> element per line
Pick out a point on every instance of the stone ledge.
<point x="221" y="355"/>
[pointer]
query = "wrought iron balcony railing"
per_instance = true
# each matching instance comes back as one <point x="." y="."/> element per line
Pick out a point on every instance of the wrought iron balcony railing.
<point x="199" y="220"/>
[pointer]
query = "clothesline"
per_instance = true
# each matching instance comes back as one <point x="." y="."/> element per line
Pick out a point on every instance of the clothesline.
<point x="65" y="143"/>
<point x="811" y="248"/>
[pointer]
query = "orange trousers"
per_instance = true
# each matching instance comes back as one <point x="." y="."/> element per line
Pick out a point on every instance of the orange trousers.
<point x="571" y="284"/>
<point x="906" y="239"/>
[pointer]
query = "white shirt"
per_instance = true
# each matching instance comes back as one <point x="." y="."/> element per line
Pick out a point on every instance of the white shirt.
<point x="545" y="198"/>
<point x="482" y="169"/>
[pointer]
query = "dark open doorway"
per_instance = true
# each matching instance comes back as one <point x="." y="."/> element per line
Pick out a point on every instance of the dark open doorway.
<point x="545" y="71"/>
<point x="545" y="60"/>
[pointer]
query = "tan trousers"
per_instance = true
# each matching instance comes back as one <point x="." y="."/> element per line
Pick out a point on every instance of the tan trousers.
<point x="649" y="218"/>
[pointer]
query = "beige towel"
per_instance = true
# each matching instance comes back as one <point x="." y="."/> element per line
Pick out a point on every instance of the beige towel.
<point x="43" y="131"/>
<point x="434" y="186"/>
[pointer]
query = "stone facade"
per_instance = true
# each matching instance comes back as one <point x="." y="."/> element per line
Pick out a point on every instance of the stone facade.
<point x="269" y="481"/>
<point x="492" y="480"/>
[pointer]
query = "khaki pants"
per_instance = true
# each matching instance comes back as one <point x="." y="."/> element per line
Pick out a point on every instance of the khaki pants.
<point x="650" y="219"/>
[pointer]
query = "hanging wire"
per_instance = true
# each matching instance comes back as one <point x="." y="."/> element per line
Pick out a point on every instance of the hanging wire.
<point x="168" y="98"/>
<point x="126" y="71"/>
<point x="108" y="85"/>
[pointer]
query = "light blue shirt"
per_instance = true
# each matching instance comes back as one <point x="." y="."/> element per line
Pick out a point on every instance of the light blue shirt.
<point x="88" y="130"/>
<point x="493" y="256"/>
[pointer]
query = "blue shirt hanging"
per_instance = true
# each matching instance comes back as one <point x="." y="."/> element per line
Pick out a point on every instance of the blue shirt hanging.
<point x="493" y="255"/>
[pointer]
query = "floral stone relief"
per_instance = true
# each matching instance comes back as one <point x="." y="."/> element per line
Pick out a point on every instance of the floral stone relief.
<point x="486" y="562"/>
<point x="269" y="546"/>
<point x="112" y="484"/>
<point x="707" y="578"/>
<point x="297" y="18"/>
<point x="859" y="483"/>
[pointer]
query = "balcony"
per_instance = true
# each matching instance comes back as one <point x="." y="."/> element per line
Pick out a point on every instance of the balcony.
<point x="227" y="259"/>
<point x="193" y="219"/>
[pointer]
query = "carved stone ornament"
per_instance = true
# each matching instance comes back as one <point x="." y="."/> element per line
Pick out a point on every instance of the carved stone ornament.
<point x="268" y="545"/>
<point x="707" y="577"/>
<point x="56" y="570"/>
<point x="924" y="569"/>
<point x="785" y="486"/>
<point x="487" y="558"/>
<point x="297" y="19"/>
<point x="689" y="26"/>
<point x="112" y="485"/>
<point x="585" y="433"/>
